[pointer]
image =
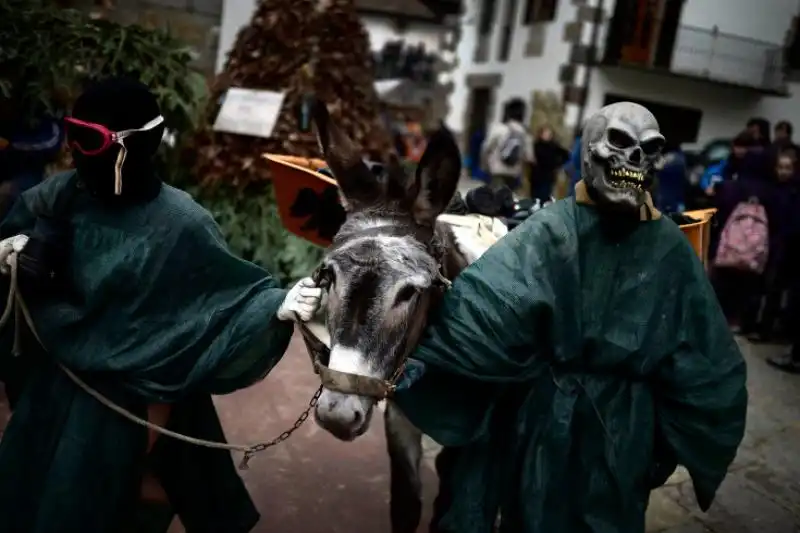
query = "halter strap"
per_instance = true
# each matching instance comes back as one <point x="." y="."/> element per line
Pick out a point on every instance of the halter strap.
<point x="347" y="383"/>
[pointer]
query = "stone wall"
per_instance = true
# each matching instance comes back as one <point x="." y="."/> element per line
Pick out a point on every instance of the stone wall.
<point x="583" y="53"/>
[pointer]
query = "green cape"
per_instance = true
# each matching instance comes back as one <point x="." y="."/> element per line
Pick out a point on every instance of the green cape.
<point x="156" y="310"/>
<point x="579" y="363"/>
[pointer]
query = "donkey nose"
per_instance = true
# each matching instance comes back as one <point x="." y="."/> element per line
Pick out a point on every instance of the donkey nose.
<point x="340" y="414"/>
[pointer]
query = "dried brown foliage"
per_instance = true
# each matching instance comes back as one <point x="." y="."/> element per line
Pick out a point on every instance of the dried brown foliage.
<point x="274" y="53"/>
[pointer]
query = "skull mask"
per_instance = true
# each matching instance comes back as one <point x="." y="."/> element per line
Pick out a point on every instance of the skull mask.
<point x="621" y="151"/>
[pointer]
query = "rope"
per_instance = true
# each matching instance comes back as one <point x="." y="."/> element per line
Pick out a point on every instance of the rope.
<point x="15" y="304"/>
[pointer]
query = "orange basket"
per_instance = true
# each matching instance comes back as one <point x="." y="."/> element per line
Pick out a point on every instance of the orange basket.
<point x="308" y="201"/>
<point x="699" y="233"/>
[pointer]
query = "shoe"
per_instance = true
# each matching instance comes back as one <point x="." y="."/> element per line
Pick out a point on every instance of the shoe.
<point x="786" y="362"/>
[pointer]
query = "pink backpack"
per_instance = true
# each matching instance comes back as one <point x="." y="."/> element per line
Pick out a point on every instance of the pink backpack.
<point x="744" y="243"/>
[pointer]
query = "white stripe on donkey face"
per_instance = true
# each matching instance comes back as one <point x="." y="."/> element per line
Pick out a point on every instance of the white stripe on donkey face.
<point x="381" y="265"/>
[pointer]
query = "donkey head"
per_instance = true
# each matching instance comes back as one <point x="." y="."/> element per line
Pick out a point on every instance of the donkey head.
<point x="383" y="266"/>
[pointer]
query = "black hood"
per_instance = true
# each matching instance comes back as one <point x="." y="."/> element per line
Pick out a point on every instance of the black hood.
<point x="120" y="104"/>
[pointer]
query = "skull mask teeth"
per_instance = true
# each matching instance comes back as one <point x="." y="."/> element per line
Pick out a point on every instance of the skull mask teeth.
<point x="622" y="148"/>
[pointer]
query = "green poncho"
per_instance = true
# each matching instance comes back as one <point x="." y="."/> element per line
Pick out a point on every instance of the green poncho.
<point x="157" y="310"/>
<point x="579" y="364"/>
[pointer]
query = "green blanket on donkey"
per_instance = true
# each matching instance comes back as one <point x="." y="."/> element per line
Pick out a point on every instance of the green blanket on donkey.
<point x="157" y="309"/>
<point x="579" y="364"/>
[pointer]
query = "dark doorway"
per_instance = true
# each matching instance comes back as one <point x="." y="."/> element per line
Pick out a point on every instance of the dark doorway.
<point x="678" y="124"/>
<point x="643" y="32"/>
<point x="670" y="18"/>
<point x="478" y="109"/>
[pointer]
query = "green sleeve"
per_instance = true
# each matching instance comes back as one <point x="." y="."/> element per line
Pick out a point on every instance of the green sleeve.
<point x="19" y="220"/>
<point x="263" y="338"/>
<point x="49" y="197"/>
<point x="483" y="335"/>
<point x="488" y="323"/>
<point x="700" y="389"/>
<point x="253" y="363"/>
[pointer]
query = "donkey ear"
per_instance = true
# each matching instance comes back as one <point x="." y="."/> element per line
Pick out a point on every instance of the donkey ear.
<point x="358" y="184"/>
<point x="437" y="177"/>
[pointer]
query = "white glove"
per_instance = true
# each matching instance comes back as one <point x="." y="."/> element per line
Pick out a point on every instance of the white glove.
<point x="8" y="247"/>
<point x="302" y="301"/>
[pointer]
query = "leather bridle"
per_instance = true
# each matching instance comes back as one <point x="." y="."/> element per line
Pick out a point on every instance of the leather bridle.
<point x="348" y="383"/>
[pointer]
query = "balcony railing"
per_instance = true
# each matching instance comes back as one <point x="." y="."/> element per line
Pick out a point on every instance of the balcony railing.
<point x="698" y="53"/>
<point x="728" y="58"/>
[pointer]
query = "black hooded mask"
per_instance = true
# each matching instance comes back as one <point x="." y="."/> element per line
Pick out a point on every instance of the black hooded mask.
<point x="118" y="104"/>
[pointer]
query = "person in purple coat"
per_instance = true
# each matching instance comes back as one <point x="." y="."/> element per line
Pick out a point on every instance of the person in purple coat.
<point x="740" y="292"/>
<point x="784" y="250"/>
<point x="789" y="275"/>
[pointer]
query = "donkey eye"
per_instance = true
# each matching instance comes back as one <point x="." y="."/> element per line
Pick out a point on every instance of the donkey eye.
<point x="406" y="294"/>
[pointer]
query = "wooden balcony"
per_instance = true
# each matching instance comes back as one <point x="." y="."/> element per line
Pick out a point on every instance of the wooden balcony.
<point x="649" y="38"/>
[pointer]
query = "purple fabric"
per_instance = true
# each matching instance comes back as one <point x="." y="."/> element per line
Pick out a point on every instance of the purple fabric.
<point x="753" y="166"/>
<point x="782" y="202"/>
<point x="745" y="177"/>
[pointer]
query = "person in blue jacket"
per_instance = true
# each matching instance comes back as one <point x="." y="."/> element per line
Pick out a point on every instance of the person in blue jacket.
<point x="713" y="175"/>
<point x="672" y="180"/>
<point x="728" y="168"/>
<point x="473" y="159"/>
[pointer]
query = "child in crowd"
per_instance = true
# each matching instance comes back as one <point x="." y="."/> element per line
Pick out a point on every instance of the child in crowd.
<point x="784" y="251"/>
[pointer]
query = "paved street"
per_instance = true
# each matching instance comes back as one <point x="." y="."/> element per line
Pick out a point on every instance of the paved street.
<point x="316" y="484"/>
<point x="762" y="491"/>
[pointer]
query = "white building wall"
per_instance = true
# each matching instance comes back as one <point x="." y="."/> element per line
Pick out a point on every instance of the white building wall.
<point x="521" y="75"/>
<point x="459" y="97"/>
<point x="762" y="20"/>
<point x="775" y="109"/>
<point x="725" y="109"/>
<point x="237" y="13"/>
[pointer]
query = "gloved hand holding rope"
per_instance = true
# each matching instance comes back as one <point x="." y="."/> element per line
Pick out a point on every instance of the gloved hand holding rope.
<point x="9" y="246"/>
<point x="10" y="249"/>
<point x="300" y="303"/>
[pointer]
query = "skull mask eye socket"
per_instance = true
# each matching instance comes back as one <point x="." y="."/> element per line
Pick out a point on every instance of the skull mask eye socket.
<point x="652" y="147"/>
<point x="620" y="139"/>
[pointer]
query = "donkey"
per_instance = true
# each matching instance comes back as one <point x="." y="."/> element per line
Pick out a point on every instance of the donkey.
<point x="385" y="269"/>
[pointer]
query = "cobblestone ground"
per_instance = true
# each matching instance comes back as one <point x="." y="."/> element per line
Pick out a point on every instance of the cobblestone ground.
<point x="762" y="490"/>
<point x="315" y="484"/>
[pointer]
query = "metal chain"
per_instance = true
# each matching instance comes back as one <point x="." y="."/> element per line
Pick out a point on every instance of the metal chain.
<point x="257" y="448"/>
<point x="17" y="308"/>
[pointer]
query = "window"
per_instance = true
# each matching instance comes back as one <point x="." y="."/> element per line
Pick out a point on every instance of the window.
<point x="540" y="11"/>
<point x="792" y="52"/>
<point x="677" y="123"/>
<point x="487" y="17"/>
<point x="507" y="31"/>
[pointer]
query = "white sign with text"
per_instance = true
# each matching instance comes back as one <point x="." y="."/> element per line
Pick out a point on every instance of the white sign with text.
<point x="249" y="112"/>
